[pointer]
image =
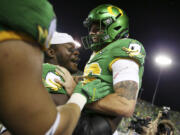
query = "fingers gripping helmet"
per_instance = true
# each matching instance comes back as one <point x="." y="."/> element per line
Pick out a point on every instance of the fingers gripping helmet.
<point x="115" y="23"/>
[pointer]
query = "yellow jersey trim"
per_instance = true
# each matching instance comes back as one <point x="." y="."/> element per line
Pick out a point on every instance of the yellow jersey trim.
<point x="113" y="61"/>
<point x="12" y="35"/>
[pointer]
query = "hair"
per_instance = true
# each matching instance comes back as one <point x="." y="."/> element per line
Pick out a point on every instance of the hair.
<point x="92" y="124"/>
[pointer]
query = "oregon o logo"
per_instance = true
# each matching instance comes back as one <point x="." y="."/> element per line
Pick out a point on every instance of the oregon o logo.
<point x="111" y="10"/>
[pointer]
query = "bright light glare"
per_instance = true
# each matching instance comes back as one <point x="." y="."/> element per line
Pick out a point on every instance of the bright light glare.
<point x="163" y="60"/>
<point x="77" y="44"/>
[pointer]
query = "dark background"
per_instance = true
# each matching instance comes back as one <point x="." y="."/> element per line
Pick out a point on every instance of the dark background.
<point x="155" y="23"/>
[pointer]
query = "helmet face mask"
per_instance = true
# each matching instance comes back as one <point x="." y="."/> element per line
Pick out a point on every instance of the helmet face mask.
<point x="96" y="37"/>
<point x="114" y="22"/>
<point x="89" y="43"/>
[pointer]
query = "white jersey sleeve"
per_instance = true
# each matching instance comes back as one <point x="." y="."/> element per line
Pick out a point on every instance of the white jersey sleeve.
<point x="125" y="69"/>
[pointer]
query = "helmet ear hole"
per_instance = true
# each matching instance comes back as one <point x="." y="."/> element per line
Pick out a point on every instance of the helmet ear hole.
<point x="117" y="28"/>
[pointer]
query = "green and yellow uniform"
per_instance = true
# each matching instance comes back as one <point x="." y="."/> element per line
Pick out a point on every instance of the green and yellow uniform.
<point x="28" y="20"/>
<point x="49" y="74"/>
<point x="99" y="65"/>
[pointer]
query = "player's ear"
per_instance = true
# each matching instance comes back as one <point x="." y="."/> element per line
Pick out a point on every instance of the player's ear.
<point x="51" y="52"/>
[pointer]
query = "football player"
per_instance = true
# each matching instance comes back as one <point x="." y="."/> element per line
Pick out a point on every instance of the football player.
<point x="116" y="60"/>
<point x="63" y="52"/>
<point x="26" y="28"/>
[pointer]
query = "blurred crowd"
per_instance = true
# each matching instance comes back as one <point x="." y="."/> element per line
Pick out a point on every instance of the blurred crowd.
<point x="151" y="120"/>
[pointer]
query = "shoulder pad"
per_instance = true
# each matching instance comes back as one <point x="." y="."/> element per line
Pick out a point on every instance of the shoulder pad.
<point x="127" y="48"/>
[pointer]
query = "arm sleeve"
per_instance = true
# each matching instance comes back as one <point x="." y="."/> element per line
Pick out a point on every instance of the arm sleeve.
<point x="55" y="125"/>
<point x="125" y="69"/>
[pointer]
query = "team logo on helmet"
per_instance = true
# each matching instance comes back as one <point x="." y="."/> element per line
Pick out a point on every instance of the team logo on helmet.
<point x="111" y="10"/>
<point x="115" y="26"/>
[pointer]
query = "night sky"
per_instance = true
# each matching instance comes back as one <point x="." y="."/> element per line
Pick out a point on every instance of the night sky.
<point x="155" y="23"/>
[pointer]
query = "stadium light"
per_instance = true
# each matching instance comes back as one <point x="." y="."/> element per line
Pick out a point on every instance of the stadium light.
<point x="162" y="61"/>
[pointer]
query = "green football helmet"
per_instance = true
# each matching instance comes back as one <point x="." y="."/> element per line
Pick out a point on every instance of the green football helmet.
<point x="115" y="23"/>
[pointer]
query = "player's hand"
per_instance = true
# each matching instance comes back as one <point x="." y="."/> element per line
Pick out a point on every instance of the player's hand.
<point x="93" y="91"/>
<point x="69" y="84"/>
<point x="78" y="78"/>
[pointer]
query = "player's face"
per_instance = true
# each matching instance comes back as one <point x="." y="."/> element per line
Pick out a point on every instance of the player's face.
<point x="67" y="56"/>
<point x="95" y="32"/>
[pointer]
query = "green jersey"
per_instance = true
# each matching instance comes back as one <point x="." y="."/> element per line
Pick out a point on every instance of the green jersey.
<point x="35" y="18"/>
<point x="99" y="65"/>
<point x="49" y="74"/>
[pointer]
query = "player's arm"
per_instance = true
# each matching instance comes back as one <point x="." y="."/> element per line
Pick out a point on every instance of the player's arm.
<point x="61" y="80"/>
<point x="126" y="84"/>
<point x="29" y="106"/>
<point x="69" y="83"/>
<point x="81" y="95"/>
<point x="26" y="107"/>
